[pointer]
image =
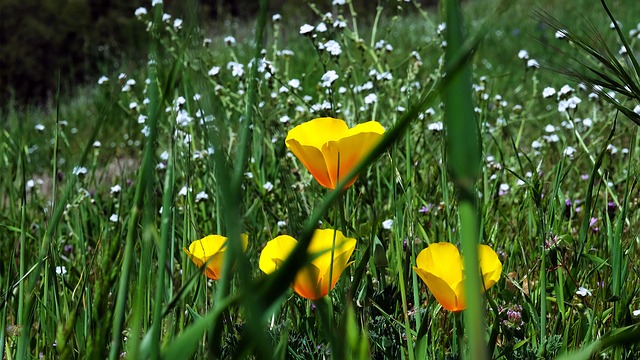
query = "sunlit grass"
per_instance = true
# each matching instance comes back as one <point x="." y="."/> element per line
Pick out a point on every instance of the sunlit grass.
<point x="481" y="145"/>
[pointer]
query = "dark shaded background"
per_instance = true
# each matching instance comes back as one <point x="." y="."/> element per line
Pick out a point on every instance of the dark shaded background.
<point x="82" y="39"/>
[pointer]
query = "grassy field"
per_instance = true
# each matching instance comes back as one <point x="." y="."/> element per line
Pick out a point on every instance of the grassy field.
<point x="104" y="193"/>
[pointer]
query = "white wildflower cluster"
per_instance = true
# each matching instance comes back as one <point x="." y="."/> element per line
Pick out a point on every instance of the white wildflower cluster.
<point x="531" y="63"/>
<point x="379" y="76"/>
<point x="383" y="45"/>
<point x="364" y="87"/>
<point x="325" y="105"/>
<point x="332" y="47"/>
<point x="567" y="100"/>
<point x="237" y="69"/>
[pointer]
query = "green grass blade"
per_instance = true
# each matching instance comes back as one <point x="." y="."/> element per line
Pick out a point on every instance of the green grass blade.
<point x="463" y="159"/>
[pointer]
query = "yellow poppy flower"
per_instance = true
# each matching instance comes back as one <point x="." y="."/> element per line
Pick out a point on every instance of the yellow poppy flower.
<point x="440" y="267"/>
<point x="211" y="247"/>
<point x="312" y="280"/>
<point x="330" y="150"/>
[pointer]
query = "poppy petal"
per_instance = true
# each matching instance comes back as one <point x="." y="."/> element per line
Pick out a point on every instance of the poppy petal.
<point x="275" y="252"/>
<point x="306" y="283"/>
<point x="441" y="290"/>
<point x="490" y="265"/>
<point x="313" y="159"/>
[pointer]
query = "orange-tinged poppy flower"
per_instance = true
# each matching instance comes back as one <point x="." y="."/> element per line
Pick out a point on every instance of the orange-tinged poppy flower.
<point x="330" y="150"/>
<point x="312" y="280"/>
<point x="440" y="267"/>
<point x="211" y="247"/>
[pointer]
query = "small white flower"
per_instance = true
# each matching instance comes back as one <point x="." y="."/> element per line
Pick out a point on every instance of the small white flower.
<point x="636" y="312"/>
<point x="573" y="102"/>
<point x="230" y="40"/>
<point x="197" y="97"/>
<point x="287" y="53"/>
<point x="282" y="223"/>
<point x="549" y="128"/>
<point x="249" y="175"/>
<point x="97" y="144"/>
<point x="61" y="270"/>
<point x="183" y="191"/>
<point x="140" y="11"/>
<point x="523" y="54"/>
<point x="339" y="24"/>
<point x="201" y="196"/>
<point x="583" y="292"/>
<point x="179" y="101"/>
<point x="166" y="17"/>
<point x="322" y="27"/>
<point x="569" y="151"/>
<point x="553" y="138"/>
<point x="183" y="118"/>
<point x="30" y="184"/>
<point x="305" y="29"/>
<point x="156" y="2"/>
<point x="177" y="24"/>
<point x="39" y="127"/>
<point x="504" y="188"/>
<point x="276" y="17"/>
<point x="103" y="79"/>
<point x="561" y="34"/>
<point x="133" y="105"/>
<point x="339" y="2"/>
<point x="79" y="170"/>
<point x="333" y="48"/>
<point x="436" y="126"/>
<point x="285" y="119"/>
<point x="548" y="92"/>
<point x="294" y="83"/>
<point x="328" y="78"/>
<point x="387" y="224"/>
<point x="565" y="89"/>
<point x="563" y="105"/>
<point x="214" y="71"/>
<point x="268" y="186"/>
<point x="533" y="63"/>
<point x="370" y="99"/>
<point x="237" y="69"/>
<point x="116" y="189"/>
<point x="113" y="218"/>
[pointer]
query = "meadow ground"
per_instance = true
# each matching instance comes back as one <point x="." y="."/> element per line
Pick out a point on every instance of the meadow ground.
<point x="104" y="194"/>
